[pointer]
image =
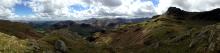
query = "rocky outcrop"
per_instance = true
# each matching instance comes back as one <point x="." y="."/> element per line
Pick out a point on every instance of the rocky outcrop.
<point x="60" y="46"/>
<point x="175" y="11"/>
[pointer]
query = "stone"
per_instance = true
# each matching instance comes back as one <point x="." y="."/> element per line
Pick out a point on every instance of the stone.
<point x="60" y="46"/>
<point x="212" y="46"/>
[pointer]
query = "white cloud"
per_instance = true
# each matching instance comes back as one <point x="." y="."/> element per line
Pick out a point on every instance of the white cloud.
<point x="111" y="3"/>
<point x="97" y="8"/>
<point x="6" y="8"/>
<point x="48" y="8"/>
<point x="163" y="6"/>
<point x="118" y="8"/>
<point x="62" y="9"/>
<point x="188" y="5"/>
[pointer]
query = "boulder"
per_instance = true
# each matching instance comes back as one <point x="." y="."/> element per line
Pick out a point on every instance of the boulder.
<point x="60" y="46"/>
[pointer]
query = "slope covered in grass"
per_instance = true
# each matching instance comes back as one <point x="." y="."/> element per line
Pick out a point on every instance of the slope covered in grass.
<point x="74" y="42"/>
<point x="11" y="44"/>
<point x="176" y="31"/>
<point x="19" y="30"/>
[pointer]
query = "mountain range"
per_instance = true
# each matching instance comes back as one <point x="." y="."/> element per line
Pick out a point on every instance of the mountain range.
<point x="175" y="31"/>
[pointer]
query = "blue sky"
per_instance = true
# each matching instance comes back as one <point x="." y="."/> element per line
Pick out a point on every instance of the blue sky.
<point x="79" y="7"/>
<point x="22" y="10"/>
<point x="155" y="2"/>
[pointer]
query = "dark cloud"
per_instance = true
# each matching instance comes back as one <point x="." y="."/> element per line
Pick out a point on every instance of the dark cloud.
<point x="111" y="3"/>
<point x="88" y="1"/>
<point x="144" y="13"/>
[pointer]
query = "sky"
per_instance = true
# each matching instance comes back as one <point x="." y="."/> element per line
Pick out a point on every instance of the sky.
<point x="85" y="9"/>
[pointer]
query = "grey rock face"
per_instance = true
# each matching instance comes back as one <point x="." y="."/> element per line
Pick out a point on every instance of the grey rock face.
<point x="60" y="46"/>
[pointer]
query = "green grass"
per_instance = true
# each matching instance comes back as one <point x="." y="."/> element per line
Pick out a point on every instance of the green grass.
<point x="19" y="30"/>
<point x="173" y="36"/>
<point x="11" y="44"/>
<point x="74" y="42"/>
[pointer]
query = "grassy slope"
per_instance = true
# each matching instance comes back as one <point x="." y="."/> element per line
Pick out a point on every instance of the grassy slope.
<point x="165" y="35"/>
<point x="11" y="44"/>
<point x="73" y="41"/>
<point x="44" y="44"/>
<point x="19" y="30"/>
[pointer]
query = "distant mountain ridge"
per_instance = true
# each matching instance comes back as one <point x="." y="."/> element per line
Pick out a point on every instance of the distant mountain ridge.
<point x="88" y="26"/>
<point x="111" y="22"/>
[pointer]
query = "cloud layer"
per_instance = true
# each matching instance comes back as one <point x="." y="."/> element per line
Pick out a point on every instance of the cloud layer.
<point x="61" y="9"/>
<point x="6" y="9"/>
<point x="84" y="9"/>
